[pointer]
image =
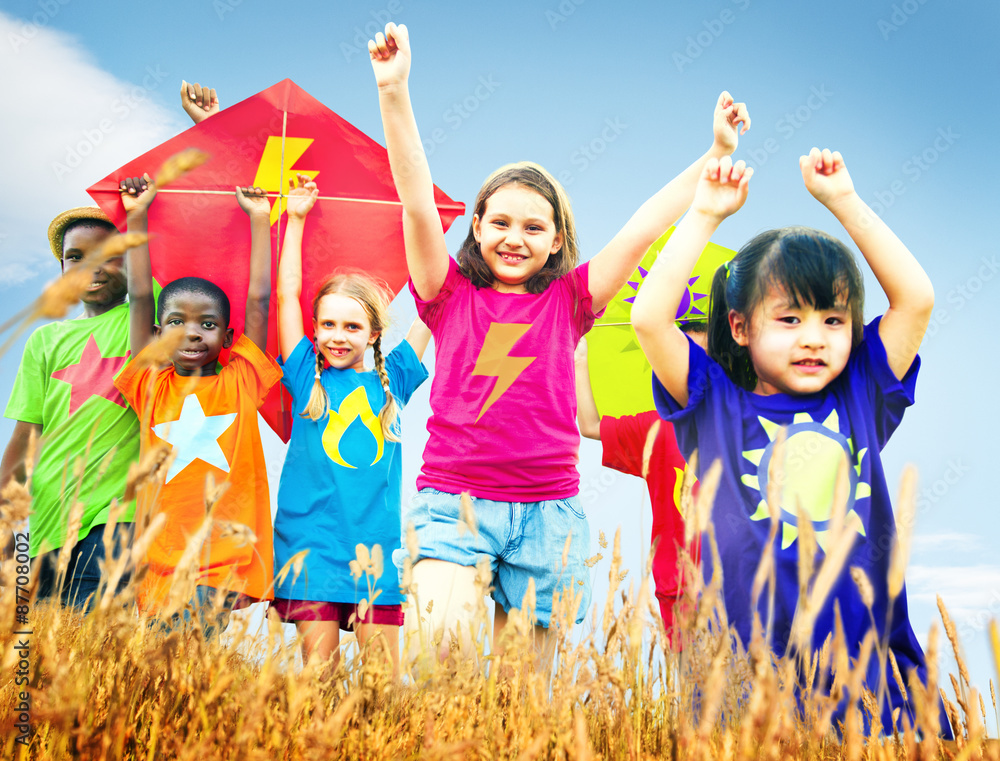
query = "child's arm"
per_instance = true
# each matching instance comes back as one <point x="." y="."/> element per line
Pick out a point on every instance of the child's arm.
<point x="909" y="290"/>
<point x="137" y="194"/>
<point x="12" y="467"/>
<point x="418" y="336"/>
<point x="254" y="202"/>
<point x="426" y="252"/>
<point x="587" y="416"/>
<point x="199" y="102"/>
<point x="611" y="267"/>
<point x="721" y="191"/>
<point x="290" y="328"/>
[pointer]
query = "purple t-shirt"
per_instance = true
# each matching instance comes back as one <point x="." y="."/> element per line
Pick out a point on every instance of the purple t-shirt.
<point x="852" y="417"/>
<point x="503" y="405"/>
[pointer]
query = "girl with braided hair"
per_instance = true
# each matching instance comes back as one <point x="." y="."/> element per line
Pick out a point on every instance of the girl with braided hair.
<point x="340" y="484"/>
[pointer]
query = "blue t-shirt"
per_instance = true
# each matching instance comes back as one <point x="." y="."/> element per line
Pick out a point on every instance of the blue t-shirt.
<point x="854" y="416"/>
<point x="340" y="483"/>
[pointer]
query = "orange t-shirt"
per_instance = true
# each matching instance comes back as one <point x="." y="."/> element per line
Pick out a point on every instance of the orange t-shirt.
<point x="211" y="424"/>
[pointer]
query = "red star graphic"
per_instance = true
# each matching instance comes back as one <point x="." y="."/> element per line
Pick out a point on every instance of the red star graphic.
<point x="93" y="375"/>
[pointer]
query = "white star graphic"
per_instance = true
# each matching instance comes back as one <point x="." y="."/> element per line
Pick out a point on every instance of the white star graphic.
<point x="195" y="436"/>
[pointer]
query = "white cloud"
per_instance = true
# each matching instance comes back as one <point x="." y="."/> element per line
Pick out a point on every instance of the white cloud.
<point x="947" y="542"/>
<point x="971" y="594"/>
<point x="67" y="123"/>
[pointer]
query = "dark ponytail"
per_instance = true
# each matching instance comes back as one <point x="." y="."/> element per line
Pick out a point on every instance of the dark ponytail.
<point x="733" y="358"/>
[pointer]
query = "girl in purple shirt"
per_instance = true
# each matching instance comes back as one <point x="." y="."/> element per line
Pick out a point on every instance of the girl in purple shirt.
<point x="788" y="350"/>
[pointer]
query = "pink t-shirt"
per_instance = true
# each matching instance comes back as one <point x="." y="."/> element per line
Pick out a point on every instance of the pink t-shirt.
<point x="503" y="405"/>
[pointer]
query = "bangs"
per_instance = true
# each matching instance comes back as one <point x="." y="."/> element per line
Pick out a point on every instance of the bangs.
<point x="813" y="269"/>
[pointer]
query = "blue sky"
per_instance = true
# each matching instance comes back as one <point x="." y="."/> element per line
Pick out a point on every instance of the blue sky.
<point x="613" y="98"/>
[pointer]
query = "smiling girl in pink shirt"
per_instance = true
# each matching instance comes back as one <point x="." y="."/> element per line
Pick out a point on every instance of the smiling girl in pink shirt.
<point x="506" y="318"/>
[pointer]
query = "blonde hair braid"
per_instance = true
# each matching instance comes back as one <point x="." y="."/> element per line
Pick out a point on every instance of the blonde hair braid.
<point x="390" y="412"/>
<point x="319" y="403"/>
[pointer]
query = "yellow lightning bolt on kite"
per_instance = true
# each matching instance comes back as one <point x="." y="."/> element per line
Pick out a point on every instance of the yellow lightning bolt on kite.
<point x="355" y="405"/>
<point x="494" y="360"/>
<point x="270" y="171"/>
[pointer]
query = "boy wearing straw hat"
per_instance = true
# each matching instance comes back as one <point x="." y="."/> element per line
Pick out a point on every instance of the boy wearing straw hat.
<point x="64" y="395"/>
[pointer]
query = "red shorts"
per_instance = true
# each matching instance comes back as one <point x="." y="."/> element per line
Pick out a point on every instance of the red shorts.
<point x="318" y="610"/>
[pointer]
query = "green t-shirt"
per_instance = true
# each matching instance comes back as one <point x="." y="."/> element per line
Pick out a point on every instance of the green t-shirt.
<point x="90" y="435"/>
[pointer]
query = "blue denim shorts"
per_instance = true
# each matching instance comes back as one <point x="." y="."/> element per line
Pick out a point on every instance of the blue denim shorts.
<point x="521" y="540"/>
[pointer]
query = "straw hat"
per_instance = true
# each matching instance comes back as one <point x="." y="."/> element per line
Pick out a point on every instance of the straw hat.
<point x="57" y="228"/>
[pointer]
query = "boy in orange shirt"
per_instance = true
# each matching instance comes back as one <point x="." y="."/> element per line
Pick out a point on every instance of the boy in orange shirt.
<point x="206" y="415"/>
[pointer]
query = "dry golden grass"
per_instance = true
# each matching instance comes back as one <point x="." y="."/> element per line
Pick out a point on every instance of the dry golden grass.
<point x="112" y="686"/>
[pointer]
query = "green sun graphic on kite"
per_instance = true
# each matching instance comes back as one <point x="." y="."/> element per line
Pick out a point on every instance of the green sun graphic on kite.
<point x="813" y="454"/>
<point x="619" y="373"/>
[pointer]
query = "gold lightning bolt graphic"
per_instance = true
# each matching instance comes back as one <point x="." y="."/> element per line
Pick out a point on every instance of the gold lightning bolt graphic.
<point x="270" y="171"/>
<point x="494" y="360"/>
<point x="355" y="405"/>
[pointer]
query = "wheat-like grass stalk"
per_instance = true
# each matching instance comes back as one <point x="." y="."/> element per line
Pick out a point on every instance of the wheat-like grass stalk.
<point x="178" y="165"/>
<point x="950" y="631"/>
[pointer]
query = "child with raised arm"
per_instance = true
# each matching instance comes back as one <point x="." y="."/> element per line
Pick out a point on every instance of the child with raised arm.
<point x="788" y="348"/>
<point x="64" y="396"/>
<point x="208" y="416"/>
<point x="506" y="318"/>
<point x="626" y="448"/>
<point x="340" y="485"/>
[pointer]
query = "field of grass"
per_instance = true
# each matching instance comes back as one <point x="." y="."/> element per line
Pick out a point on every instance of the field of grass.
<point x="110" y="686"/>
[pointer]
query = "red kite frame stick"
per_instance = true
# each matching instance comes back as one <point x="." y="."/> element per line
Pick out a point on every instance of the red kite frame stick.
<point x="318" y="198"/>
<point x="281" y="190"/>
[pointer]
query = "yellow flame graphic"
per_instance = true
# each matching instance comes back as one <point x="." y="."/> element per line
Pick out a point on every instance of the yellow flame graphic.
<point x="355" y="405"/>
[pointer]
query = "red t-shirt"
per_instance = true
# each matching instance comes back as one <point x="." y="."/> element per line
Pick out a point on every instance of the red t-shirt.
<point x="624" y="440"/>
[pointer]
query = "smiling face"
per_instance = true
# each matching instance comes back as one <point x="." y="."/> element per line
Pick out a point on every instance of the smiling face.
<point x="107" y="286"/>
<point x="794" y="349"/>
<point x="343" y="331"/>
<point x="205" y="334"/>
<point x="516" y="235"/>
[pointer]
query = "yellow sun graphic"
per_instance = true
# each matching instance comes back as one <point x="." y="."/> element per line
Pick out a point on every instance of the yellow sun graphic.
<point x="678" y="484"/>
<point x="813" y="453"/>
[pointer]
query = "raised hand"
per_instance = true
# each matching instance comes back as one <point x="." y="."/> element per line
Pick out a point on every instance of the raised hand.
<point x="390" y="54"/>
<point x="254" y="202"/>
<point x="722" y="188"/>
<point x="826" y="176"/>
<point x="137" y="194"/>
<point x="199" y="102"/>
<point x="729" y="121"/>
<point x="302" y="198"/>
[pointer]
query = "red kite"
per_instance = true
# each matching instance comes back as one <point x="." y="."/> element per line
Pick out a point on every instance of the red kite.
<point x="266" y="140"/>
